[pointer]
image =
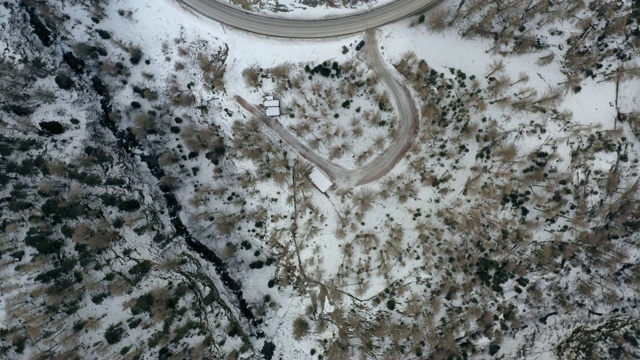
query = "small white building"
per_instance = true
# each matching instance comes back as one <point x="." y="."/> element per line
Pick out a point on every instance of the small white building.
<point x="320" y="180"/>
<point x="271" y="103"/>
<point x="272" y="111"/>
<point x="271" y="106"/>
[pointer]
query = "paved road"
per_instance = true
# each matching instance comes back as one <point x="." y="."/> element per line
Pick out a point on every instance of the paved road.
<point x="403" y="101"/>
<point x="307" y="29"/>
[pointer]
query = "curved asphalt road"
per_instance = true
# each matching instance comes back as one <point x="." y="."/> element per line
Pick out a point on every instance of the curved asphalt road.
<point x="404" y="103"/>
<point x="307" y="29"/>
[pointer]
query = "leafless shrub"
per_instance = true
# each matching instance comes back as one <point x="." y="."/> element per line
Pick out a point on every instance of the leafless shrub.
<point x="226" y="223"/>
<point x="251" y="76"/>
<point x="507" y="152"/>
<point x="363" y="157"/>
<point x="339" y="150"/>
<point x="183" y="100"/>
<point x="349" y="89"/>
<point x="168" y="158"/>
<point x="168" y="181"/>
<point x="546" y="60"/>
<point x="150" y="95"/>
<point x="109" y="68"/>
<point x="200" y="139"/>
<point x="300" y="328"/>
<point x="383" y="100"/>
<point x="142" y="124"/>
<point x="183" y="51"/>
<point x="281" y="72"/>
<point x="135" y="52"/>
<point x="118" y="286"/>
<point x="330" y="98"/>
<point x="297" y="81"/>
<point x="613" y="181"/>
<point x="282" y="86"/>
<point x="229" y="250"/>
<point x="214" y="66"/>
<point x="437" y="20"/>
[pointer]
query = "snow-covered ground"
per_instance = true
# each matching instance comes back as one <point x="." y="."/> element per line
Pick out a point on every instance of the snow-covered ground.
<point x="395" y="259"/>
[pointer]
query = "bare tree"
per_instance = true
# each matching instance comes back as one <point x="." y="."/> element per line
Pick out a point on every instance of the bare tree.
<point x="572" y="82"/>
<point x="214" y="66"/>
<point x="496" y="66"/>
<point x="437" y="21"/>
<point x="522" y="77"/>
<point x="363" y="199"/>
<point x="551" y="97"/>
<point x="498" y="85"/>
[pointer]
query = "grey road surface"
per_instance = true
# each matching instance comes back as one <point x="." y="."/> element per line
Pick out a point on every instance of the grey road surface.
<point x="407" y="114"/>
<point x="307" y="29"/>
<point x="378" y="167"/>
<point x="403" y="101"/>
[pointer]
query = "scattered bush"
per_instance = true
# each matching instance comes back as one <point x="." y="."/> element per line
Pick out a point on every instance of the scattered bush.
<point x="136" y="54"/>
<point x="64" y="82"/>
<point x="128" y="205"/>
<point x="78" y="325"/>
<point x="52" y="127"/>
<point x="391" y="304"/>
<point x="114" y="334"/>
<point x="300" y="328"/>
<point x="104" y="34"/>
<point x="99" y="298"/>
<point x="141" y="268"/>
<point x="143" y="304"/>
<point x="251" y="76"/>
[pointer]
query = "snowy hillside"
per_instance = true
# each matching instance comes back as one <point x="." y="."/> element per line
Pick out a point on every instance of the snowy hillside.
<point x="148" y="208"/>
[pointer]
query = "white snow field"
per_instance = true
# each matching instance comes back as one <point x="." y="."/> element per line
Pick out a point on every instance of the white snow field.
<point x="499" y="231"/>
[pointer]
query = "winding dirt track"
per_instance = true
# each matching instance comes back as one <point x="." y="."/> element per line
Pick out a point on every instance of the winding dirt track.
<point x="405" y="105"/>
<point x="378" y="167"/>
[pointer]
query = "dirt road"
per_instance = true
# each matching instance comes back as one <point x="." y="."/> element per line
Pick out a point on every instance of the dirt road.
<point x="380" y="166"/>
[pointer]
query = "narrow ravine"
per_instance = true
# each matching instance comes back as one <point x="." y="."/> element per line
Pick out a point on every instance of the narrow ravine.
<point x="132" y="147"/>
<point x="128" y="142"/>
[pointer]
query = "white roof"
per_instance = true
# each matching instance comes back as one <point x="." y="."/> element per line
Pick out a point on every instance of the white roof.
<point x="273" y="111"/>
<point x="271" y="103"/>
<point x="268" y="97"/>
<point x="320" y="180"/>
